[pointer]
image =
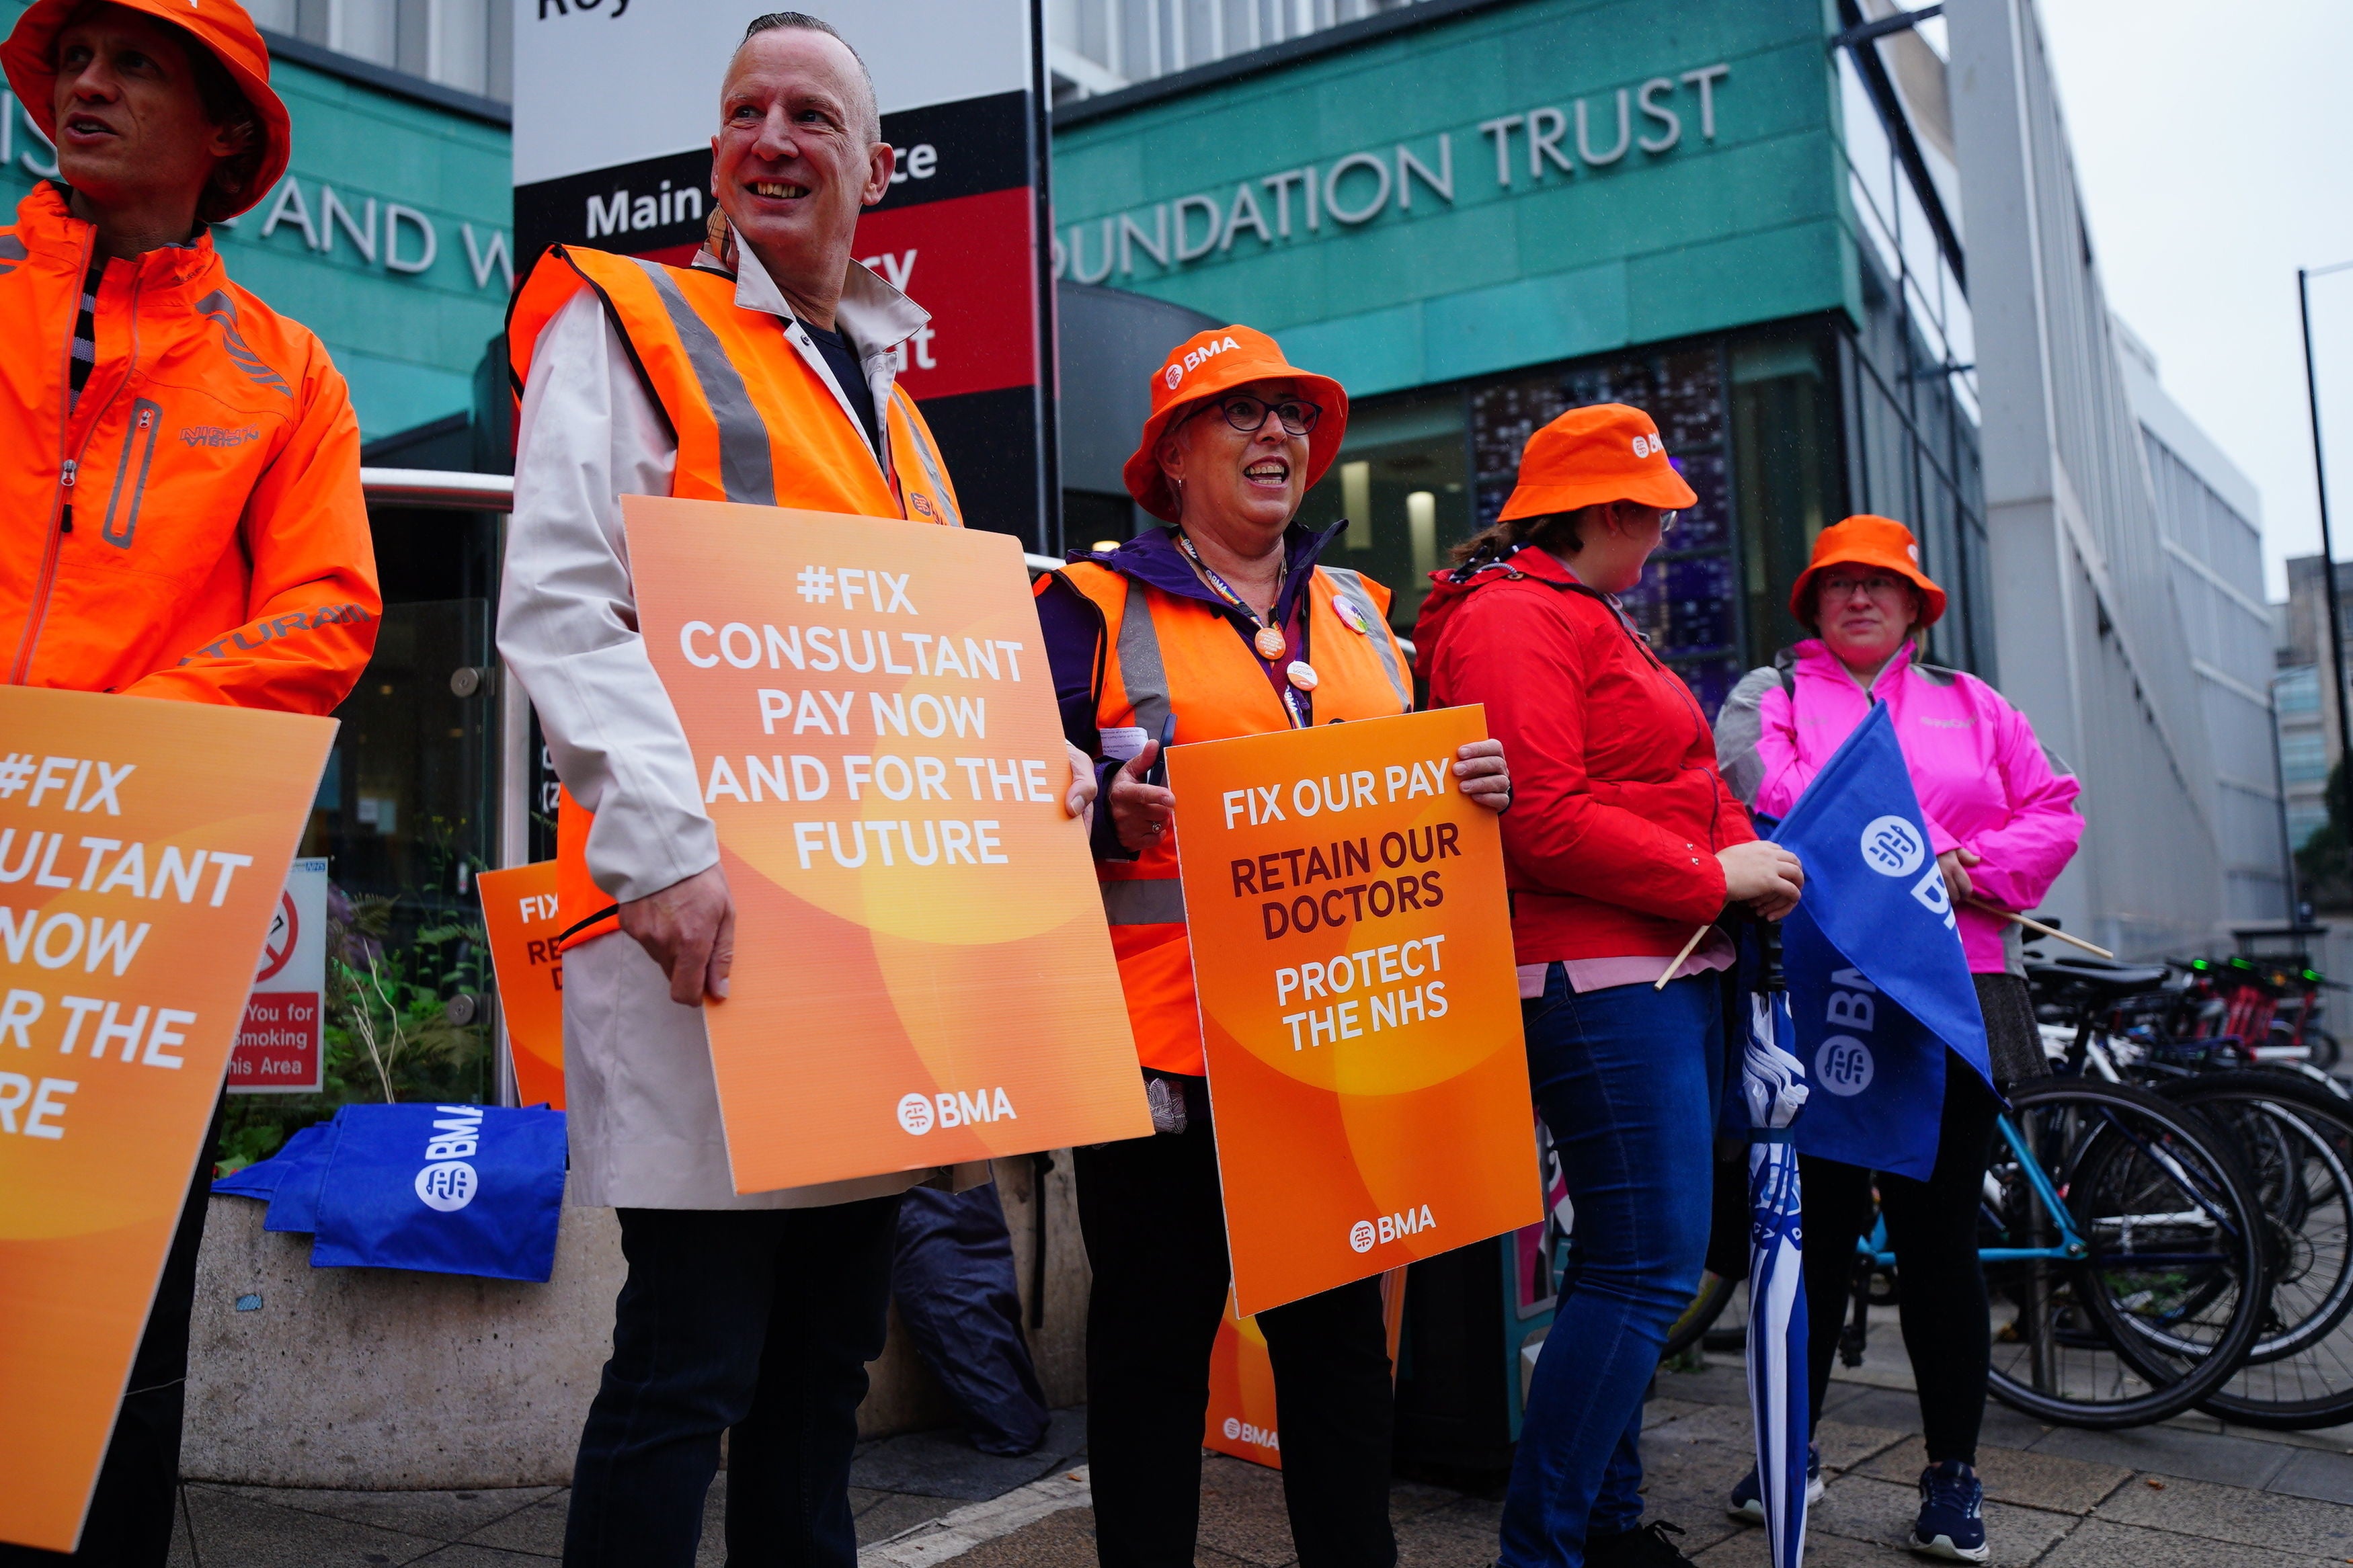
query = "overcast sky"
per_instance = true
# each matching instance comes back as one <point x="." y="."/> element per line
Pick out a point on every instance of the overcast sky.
<point x="2214" y="146"/>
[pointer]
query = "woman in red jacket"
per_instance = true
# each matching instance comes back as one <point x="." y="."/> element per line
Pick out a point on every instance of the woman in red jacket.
<point x="1622" y="842"/>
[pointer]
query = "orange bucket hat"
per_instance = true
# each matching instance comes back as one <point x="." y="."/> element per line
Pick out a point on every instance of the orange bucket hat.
<point x="1590" y="456"/>
<point x="30" y="58"/>
<point x="1206" y="365"/>
<point x="1867" y="541"/>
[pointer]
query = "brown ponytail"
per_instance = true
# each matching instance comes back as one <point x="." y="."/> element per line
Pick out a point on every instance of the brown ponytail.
<point x="1554" y="532"/>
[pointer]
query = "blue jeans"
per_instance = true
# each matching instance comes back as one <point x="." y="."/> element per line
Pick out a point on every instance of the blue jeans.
<point x="1627" y="1079"/>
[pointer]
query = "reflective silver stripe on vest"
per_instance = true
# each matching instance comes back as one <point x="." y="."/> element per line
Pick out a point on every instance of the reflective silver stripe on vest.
<point x="745" y="470"/>
<point x="929" y="459"/>
<point x="1140" y="669"/>
<point x="1158" y="901"/>
<point x="1350" y="587"/>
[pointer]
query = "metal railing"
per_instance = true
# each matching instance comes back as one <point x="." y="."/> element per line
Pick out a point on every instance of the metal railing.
<point x="439" y="490"/>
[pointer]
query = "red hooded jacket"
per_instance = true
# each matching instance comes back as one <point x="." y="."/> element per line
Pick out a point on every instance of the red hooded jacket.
<point x="1617" y="810"/>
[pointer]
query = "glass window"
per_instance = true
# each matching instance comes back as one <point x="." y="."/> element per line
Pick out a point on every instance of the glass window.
<point x="2297" y="692"/>
<point x="2303" y="757"/>
<point x="462" y="45"/>
<point x="1867" y="147"/>
<point x="1689" y="600"/>
<point x="1922" y="255"/>
<point x="1784" y="458"/>
<point x="368" y="29"/>
<point x="1961" y="329"/>
<point x="1403" y="483"/>
<point x="405" y="815"/>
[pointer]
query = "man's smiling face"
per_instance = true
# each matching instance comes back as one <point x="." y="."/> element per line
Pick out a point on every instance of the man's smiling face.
<point x="798" y="153"/>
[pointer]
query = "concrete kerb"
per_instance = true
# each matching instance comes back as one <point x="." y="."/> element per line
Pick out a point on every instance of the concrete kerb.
<point x="953" y="1534"/>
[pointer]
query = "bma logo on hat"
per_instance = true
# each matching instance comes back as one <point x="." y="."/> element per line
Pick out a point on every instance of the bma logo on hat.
<point x="1175" y="374"/>
<point x="1646" y="445"/>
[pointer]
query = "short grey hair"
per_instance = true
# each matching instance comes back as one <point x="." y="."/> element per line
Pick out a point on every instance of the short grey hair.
<point x="804" y="22"/>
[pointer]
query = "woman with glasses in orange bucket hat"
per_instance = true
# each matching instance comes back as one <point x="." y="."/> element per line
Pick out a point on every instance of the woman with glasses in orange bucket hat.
<point x="1623" y="838"/>
<point x="2003" y="825"/>
<point x="1222" y="623"/>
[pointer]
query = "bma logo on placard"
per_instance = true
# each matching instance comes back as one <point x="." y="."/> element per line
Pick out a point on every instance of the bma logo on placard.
<point x="919" y="1113"/>
<point x="1366" y="1234"/>
<point x="1239" y="1431"/>
<point x="1844" y="1065"/>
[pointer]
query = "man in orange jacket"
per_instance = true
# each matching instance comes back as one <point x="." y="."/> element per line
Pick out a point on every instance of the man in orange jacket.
<point x="180" y="507"/>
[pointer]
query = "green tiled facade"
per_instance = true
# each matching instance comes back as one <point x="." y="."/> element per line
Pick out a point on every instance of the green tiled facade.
<point x="407" y="342"/>
<point x="1709" y="233"/>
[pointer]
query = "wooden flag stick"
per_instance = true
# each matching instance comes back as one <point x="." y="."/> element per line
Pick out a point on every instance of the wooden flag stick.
<point x="2039" y="927"/>
<point x="1660" y="983"/>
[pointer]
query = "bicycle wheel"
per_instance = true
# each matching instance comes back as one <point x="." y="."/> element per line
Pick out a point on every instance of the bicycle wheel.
<point x="2133" y="1258"/>
<point x="2326" y="1051"/>
<point x="2297" y="1140"/>
<point x="1715" y="1293"/>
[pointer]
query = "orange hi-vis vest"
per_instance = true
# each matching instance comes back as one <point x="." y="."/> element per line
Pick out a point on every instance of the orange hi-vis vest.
<point x="1163" y="654"/>
<point x="755" y="424"/>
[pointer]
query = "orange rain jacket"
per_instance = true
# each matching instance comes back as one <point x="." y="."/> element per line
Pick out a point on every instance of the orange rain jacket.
<point x="755" y="424"/>
<point x="1140" y="649"/>
<point x="194" y="529"/>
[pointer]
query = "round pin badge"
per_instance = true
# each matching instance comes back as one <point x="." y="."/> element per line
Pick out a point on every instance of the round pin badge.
<point x="1302" y="675"/>
<point x="1350" y="616"/>
<point x="1269" y="643"/>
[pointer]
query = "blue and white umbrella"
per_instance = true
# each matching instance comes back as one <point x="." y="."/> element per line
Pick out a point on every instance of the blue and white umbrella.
<point x="1773" y="1082"/>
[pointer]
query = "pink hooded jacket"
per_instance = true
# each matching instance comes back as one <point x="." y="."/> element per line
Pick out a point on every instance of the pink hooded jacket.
<point x="1984" y="781"/>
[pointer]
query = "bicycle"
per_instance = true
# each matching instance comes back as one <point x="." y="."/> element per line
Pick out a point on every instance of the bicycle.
<point x="2129" y="1242"/>
<point x="2293" y="1130"/>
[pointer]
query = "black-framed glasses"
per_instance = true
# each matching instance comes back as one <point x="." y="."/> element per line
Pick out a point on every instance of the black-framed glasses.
<point x="1248" y="414"/>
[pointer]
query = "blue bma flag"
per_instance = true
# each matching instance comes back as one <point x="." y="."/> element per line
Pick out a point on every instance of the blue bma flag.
<point x="1878" y="986"/>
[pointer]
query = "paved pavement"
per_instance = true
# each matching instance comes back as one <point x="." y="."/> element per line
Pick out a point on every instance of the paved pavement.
<point x="2191" y="1493"/>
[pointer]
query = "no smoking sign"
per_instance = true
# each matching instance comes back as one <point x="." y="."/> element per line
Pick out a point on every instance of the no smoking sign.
<point x="281" y="1045"/>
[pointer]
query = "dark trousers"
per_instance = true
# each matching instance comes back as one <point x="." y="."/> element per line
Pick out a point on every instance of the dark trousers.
<point x="130" y="1514"/>
<point x="1932" y="1227"/>
<point x="1156" y="1234"/>
<point x="755" y="1322"/>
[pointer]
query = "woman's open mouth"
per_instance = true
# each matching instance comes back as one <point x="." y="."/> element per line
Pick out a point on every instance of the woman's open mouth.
<point x="1272" y="471"/>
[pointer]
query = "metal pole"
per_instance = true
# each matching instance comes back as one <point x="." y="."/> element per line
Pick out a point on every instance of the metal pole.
<point x="2327" y="543"/>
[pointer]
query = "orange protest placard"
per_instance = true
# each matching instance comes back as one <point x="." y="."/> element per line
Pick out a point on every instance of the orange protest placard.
<point x="923" y="974"/>
<point x="143" y="847"/>
<point x="519" y="917"/>
<point x="1352" y="951"/>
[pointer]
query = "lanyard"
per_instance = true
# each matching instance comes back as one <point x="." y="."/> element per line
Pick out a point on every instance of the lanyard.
<point x="1268" y="632"/>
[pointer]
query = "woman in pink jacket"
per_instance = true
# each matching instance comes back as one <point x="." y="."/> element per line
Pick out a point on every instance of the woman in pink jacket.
<point x="2003" y="825"/>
